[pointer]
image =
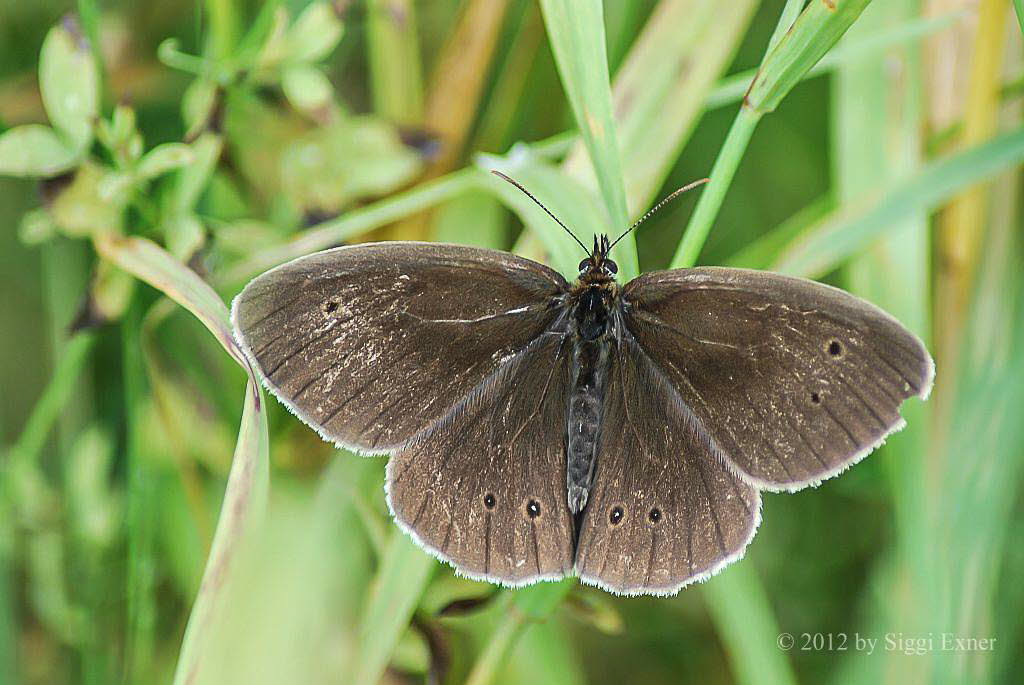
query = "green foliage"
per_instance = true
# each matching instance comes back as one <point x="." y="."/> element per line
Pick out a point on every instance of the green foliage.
<point x="163" y="521"/>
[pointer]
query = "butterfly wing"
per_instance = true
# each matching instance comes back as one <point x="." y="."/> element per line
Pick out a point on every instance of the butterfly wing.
<point x="792" y="380"/>
<point x="371" y="344"/>
<point x="666" y="508"/>
<point x="484" y="489"/>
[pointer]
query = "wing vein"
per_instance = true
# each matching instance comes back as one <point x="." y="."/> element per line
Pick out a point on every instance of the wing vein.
<point x="714" y="511"/>
<point x="305" y="345"/>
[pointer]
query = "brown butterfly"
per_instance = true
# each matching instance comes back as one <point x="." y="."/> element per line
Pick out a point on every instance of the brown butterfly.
<point x="539" y="428"/>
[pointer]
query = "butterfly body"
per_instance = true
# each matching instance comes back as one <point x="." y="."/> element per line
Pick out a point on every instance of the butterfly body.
<point x="538" y="428"/>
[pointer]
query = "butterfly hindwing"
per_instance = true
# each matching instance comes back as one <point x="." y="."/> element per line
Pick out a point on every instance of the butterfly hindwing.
<point x="485" y="488"/>
<point x="666" y="509"/>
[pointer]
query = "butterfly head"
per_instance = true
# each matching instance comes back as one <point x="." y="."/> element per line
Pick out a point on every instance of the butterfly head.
<point x="598" y="266"/>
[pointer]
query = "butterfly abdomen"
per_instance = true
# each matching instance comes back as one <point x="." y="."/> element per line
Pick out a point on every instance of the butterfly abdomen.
<point x="590" y="363"/>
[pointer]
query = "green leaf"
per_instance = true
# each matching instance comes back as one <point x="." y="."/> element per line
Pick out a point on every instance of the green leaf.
<point x="307" y="88"/>
<point x="314" y="34"/>
<point x="164" y="158"/>
<point x="69" y="82"/>
<point x="331" y="166"/>
<point x="576" y="33"/>
<point x="94" y="202"/>
<point x="198" y="104"/>
<point x="35" y="151"/>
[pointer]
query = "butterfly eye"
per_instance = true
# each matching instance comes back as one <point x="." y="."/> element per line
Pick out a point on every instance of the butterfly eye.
<point x="584" y="264"/>
<point x="611" y="266"/>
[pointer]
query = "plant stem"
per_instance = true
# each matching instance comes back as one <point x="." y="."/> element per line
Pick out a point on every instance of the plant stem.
<point x="51" y="404"/>
<point x="357" y="222"/>
<point x="714" y="193"/>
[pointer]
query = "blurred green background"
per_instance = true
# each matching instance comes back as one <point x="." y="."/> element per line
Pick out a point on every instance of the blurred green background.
<point x="157" y="154"/>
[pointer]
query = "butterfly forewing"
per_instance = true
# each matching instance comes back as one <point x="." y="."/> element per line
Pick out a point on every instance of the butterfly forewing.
<point x="485" y="487"/>
<point x="666" y="508"/>
<point x="792" y="380"/>
<point x="373" y="343"/>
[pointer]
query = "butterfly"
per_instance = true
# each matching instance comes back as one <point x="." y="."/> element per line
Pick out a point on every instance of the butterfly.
<point x="539" y="428"/>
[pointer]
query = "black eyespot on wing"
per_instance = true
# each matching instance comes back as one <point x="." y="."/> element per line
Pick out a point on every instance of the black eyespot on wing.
<point x="331" y="306"/>
<point x="533" y="508"/>
<point x="815" y="398"/>
<point x="835" y="348"/>
<point x="490" y="501"/>
<point x="616" y="515"/>
<point x="655" y="515"/>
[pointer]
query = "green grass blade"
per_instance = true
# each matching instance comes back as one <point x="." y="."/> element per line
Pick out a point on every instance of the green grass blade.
<point x="1018" y="6"/>
<point x="660" y="89"/>
<point x="140" y="509"/>
<point x="530" y="604"/>
<point x="394" y="60"/>
<point x="150" y="263"/>
<point x="877" y="140"/>
<point x="790" y="13"/>
<point x="241" y="513"/>
<point x="245" y="494"/>
<point x="355" y="223"/>
<point x="732" y="88"/>
<point x="850" y="228"/>
<point x="810" y="37"/>
<point x="576" y="33"/>
<point x="51" y="403"/>
<point x="745" y="621"/>
<point x="713" y="194"/>
<point x="401" y="578"/>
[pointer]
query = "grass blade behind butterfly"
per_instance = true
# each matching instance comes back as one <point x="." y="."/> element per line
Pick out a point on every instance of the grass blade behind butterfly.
<point x="401" y="576"/>
<point x="814" y="32"/>
<point x="245" y="493"/>
<point x="850" y="228"/>
<point x="876" y="144"/>
<point x="576" y="33"/>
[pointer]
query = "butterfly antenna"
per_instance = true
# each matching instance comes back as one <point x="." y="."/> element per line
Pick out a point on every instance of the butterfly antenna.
<point x="541" y="205"/>
<point x="652" y="210"/>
